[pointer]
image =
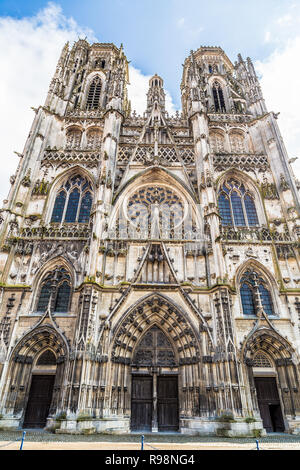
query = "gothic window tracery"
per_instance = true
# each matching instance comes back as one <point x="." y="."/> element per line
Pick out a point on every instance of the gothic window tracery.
<point x="218" y="97"/>
<point x="158" y="212"/>
<point x="56" y="289"/>
<point x="261" y="360"/>
<point x="154" y="350"/>
<point x="73" y="202"/>
<point x="93" y="138"/>
<point x="217" y="142"/>
<point x="254" y="288"/>
<point x="237" y="205"/>
<point x="73" y="138"/>
<point x="237" y="143"/>
<point x="46" y="359"/>
<point x="93" y="98"/>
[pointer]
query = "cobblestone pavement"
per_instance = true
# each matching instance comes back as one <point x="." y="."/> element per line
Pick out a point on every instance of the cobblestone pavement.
<point x="41" y="440"/>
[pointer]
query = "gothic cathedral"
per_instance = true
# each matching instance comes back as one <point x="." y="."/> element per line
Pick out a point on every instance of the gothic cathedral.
<point x="150" y="265"/>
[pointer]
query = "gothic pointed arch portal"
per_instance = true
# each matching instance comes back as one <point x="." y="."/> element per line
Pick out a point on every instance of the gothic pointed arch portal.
<point x="157" y="371"/>
<point x="36" y="371"/>
<point x="272" y="376"/>
<point x="154" y="400"/>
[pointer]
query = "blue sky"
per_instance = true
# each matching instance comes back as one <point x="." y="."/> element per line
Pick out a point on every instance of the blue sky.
<point x="157" y="36"/>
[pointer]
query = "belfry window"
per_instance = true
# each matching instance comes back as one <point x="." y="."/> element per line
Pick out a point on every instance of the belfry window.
<point x="93" y="98"/>
<point x="218" y="97"/>
<point x="55" y="291"/>
<point x="253" y="287"/>
<point x="236" y="205"/>
<point x="73" y="202"/>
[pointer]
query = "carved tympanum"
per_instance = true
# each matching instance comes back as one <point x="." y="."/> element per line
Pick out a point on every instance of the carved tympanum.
<point x="154" y="350"/>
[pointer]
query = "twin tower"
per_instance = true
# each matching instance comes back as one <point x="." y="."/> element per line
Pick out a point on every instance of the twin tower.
<point x="149" y="264"/>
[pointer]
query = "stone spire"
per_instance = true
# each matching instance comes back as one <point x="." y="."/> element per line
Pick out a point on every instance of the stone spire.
<point x="156" y="95"/>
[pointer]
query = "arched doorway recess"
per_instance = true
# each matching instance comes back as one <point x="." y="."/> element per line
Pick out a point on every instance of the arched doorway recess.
<point x="154" y="402"/>
<point x="41" y="391"/>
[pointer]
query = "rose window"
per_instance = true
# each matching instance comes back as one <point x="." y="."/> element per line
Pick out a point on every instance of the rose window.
<point x="156" y="210"/>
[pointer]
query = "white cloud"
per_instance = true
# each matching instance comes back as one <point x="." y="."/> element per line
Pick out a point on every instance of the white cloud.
<point x="267" y="36"/>
<point x="30" y="50"/>
<point x="285" y="20"/>
<point x="280" y="84"/>
<point x="28" y="57"/>
<point x="180" y="22"/>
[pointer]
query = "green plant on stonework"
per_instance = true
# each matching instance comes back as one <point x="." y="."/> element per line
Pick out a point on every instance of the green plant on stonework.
<point x="250" y="419"/>
<point x="88" y="431"/>
<point x="84" y="417"/>
<point x="256" y="433"/>
<point x="61" y="416"/>
<point x="226" y="418"/>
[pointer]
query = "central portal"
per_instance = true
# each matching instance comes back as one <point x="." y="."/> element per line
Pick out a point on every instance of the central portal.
<point x="154" y="404"/>
<point x="154" y="392"/>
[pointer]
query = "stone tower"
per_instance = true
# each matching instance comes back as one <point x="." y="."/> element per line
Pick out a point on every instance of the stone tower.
<point x="150" y="264"/>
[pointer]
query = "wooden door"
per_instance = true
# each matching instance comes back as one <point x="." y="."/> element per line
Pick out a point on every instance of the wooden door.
<point x="141" y="403"/>
<point x="39" y="401"/>
<point x="167" y="405"/>
<point x="269" y="404"/>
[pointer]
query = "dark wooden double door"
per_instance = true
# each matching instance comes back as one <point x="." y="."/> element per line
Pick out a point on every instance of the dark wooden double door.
<point x="154" y="407"/>
<point x="39" y="401"/>
<point x="269" y="404"/>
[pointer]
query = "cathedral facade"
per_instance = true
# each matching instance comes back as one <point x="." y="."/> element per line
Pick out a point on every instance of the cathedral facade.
<point x="150" y="265"/>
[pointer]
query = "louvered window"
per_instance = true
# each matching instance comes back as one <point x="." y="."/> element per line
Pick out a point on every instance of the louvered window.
<point x="218" y="96"/>
<point x="93" y="98"/>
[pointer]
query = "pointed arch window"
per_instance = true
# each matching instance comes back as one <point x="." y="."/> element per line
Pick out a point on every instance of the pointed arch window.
<point x="73" y="202"/>
<point x="157" y="212"/>
<point x="237" y="205"/>
<point x="94" y="93"/>
<point x="93" y="138"/>
<point x="218" y="97"/>
<point x="73" y="138"/>
<point x="237" y="143"/>
<point x="154" y="349"/>
<point x="261" y="360"/>
<point x="254" y="288"/>
<point x="47" y="359"/>
<point x="217" y="142"/>
<point x="56" y="289"/>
